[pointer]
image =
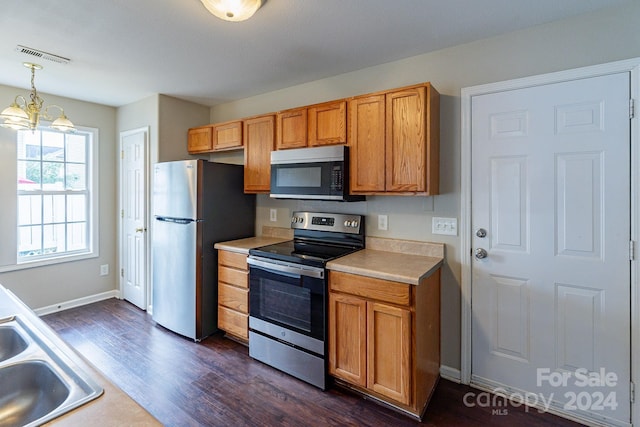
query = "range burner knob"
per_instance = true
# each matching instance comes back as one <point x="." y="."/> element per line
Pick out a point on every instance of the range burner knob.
<point x="347" y="223"/>
<point x="354" y="224"/>
<point x="296" y="219"/>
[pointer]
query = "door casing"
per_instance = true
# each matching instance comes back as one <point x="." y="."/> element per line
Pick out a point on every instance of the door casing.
<point x="633" y="67"/>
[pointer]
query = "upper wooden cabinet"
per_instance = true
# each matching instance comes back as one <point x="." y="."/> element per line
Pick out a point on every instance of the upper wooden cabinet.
<point x="259" y="137"/>
<point x="291" y="128"/>
<point x="199" y="140"/>
<point x="327" y="123"/>
<point x="312" y="126"/>
<point x="227" y="135"/>
<point x="394" y="139"/>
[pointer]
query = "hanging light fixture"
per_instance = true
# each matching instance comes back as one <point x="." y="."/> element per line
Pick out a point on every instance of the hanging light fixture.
<point x="22" y="115"/>
<point x="232" y="10"/>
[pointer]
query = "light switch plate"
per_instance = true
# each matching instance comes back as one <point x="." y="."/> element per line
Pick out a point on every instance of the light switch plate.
<point x="446" y="226"/>
<point x="273" y="215"/>
<point x="104" y="270"/>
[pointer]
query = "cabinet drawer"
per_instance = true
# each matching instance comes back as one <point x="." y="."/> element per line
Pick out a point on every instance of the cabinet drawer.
<point x="233" y="276"/>
<point x="232" y="259"/>
<point x="369" y="287"/>
<point x="233" y="297"/>
<point x="233" y="323"/>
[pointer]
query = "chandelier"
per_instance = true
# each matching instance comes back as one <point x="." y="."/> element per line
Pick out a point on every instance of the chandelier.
<point x="22" y="115"/>
<point x="232" y="10"/>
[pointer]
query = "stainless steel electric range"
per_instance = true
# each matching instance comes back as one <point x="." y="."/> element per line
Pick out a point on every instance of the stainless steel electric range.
<point x="288" y="293"/>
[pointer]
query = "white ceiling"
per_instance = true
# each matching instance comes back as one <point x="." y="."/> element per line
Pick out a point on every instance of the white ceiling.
<point x="124" y="50"/>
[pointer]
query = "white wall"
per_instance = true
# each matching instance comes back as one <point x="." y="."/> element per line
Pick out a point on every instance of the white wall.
<point x="590" y="39"/>
<point x="43" y="286"/>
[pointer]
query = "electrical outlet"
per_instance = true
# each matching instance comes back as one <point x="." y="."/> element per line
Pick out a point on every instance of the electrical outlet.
<point x="447" y="226"/>
<point x="383" y="222"/>
<point x="273" y="215"/>
<point x="104" y="270"/>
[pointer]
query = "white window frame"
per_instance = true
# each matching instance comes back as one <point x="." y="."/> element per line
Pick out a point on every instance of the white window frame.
<point x="92" y="185"/>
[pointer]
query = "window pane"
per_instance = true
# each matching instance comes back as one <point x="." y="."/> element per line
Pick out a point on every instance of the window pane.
<point x="52" y="176"/>
<point x="76" y="176"/>
<point x="54" y="238"/>
<point x="29" y="210"/>
<point x="76" y="148"/>
<point x="29" y="240"/>
<point x="29" y="145"/>
<point x="53" y="208"/>
<point x="76" y="208"/>
<point x="76" y="236"/>
<point x="28" y="175"/>
<point x="53" y="146"/>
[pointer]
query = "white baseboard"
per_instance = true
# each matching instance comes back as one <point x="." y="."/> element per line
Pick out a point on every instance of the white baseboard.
<point x="450" y="374"/>
<point x="77" y="302"/>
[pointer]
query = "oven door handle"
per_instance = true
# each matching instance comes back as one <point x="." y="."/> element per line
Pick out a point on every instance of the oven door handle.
<point x="282" y="267"/>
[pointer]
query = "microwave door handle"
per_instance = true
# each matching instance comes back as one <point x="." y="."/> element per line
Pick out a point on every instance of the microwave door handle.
<point x="288" y="269"/>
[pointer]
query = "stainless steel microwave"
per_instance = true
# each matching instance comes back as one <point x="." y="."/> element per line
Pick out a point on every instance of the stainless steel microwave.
<point x="319" y="173"/>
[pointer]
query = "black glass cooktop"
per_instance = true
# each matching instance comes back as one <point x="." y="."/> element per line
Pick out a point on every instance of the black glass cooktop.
<point x="300" y="252"/>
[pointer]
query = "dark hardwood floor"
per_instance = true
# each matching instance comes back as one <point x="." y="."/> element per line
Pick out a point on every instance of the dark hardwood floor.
<point x="216" y="383"/>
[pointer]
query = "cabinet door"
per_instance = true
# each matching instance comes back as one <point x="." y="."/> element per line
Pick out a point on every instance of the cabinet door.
<point x="327" y="124"/>
<point x="367" y="144"/>
<point x="259" y="133"/>
<point x="348" y="338"/>
<point x="199" y="140"/>
<point x="389" y="351"/>
<point x="227" y="135"/>
<point x="292" y="129"/>
<point x="406" y="140"/>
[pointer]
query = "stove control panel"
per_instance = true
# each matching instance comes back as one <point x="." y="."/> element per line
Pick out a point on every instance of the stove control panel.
<point x="320" y="221"/>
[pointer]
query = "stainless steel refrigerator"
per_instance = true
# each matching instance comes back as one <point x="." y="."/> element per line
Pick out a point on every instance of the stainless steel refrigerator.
<point x="195" y="204"/>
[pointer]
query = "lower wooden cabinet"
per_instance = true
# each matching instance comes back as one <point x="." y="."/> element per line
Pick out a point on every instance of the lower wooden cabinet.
<point x="384" y="337"/>
<point x="233" y="294"/>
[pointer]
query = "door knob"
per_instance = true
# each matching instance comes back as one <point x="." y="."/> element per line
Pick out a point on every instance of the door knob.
<point x="481" y="253"/>
<point x="139" y="230"/>
<point x="481" y="232"/>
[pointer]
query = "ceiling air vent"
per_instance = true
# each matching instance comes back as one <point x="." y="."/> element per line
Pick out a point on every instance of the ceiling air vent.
<point x="40" y="54"/>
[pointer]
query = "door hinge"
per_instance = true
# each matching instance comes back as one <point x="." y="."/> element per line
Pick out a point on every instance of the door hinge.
<point x="632" y="392"/>
<point x="122" y="272"/>
<point x="632" y="250"/>
<point x="632" y="108"/>
<point x="121" y="213"/>
<point x="122" y="154"/>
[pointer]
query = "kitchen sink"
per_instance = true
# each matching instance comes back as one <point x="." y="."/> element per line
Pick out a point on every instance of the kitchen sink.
<point x="34" y="391"/>
<point x="11" y="343"/>
<point x="40" y="379"/>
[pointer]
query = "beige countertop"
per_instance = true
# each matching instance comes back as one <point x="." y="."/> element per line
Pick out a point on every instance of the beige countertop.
<point x="243" y="245"/>
<point x="391" y="259"/>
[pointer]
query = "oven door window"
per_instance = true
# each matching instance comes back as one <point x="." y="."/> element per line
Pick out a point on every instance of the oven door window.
<point x="291" y="301"/>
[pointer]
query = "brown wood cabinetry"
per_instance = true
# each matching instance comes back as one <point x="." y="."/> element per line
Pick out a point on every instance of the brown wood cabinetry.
<point x="259" y="138"/>
<point x="233" y="294"/>
<point x="291" y="128"/>
<point x="199" y="140"/>
<point x="227" y="135"/>
<point x="327" y="123"/>
<point x="384" y="337"/>
<point x="394" y="139"/>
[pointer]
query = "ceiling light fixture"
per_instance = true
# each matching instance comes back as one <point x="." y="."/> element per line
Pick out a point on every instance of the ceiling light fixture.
<point x="22" y="115"/>
<point x="232" y="10"/>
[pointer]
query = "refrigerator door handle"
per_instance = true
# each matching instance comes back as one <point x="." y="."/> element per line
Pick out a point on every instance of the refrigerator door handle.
<point x="175" y="220"/>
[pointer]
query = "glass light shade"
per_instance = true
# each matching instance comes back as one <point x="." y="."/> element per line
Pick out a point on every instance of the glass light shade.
<point x="232" y="10"/>
<point x="14" y="113"/>
<point x="62" y="124"/>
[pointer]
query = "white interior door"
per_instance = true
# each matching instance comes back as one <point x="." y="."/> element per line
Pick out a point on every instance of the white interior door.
<point x="133" y="194"/>
<point x="551" y="299"/>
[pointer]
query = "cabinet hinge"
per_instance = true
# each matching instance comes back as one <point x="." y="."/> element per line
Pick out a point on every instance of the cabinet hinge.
<point x="632" y="108"/>
<point x="632" y="392"/>
<point x="632" y="250"/>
